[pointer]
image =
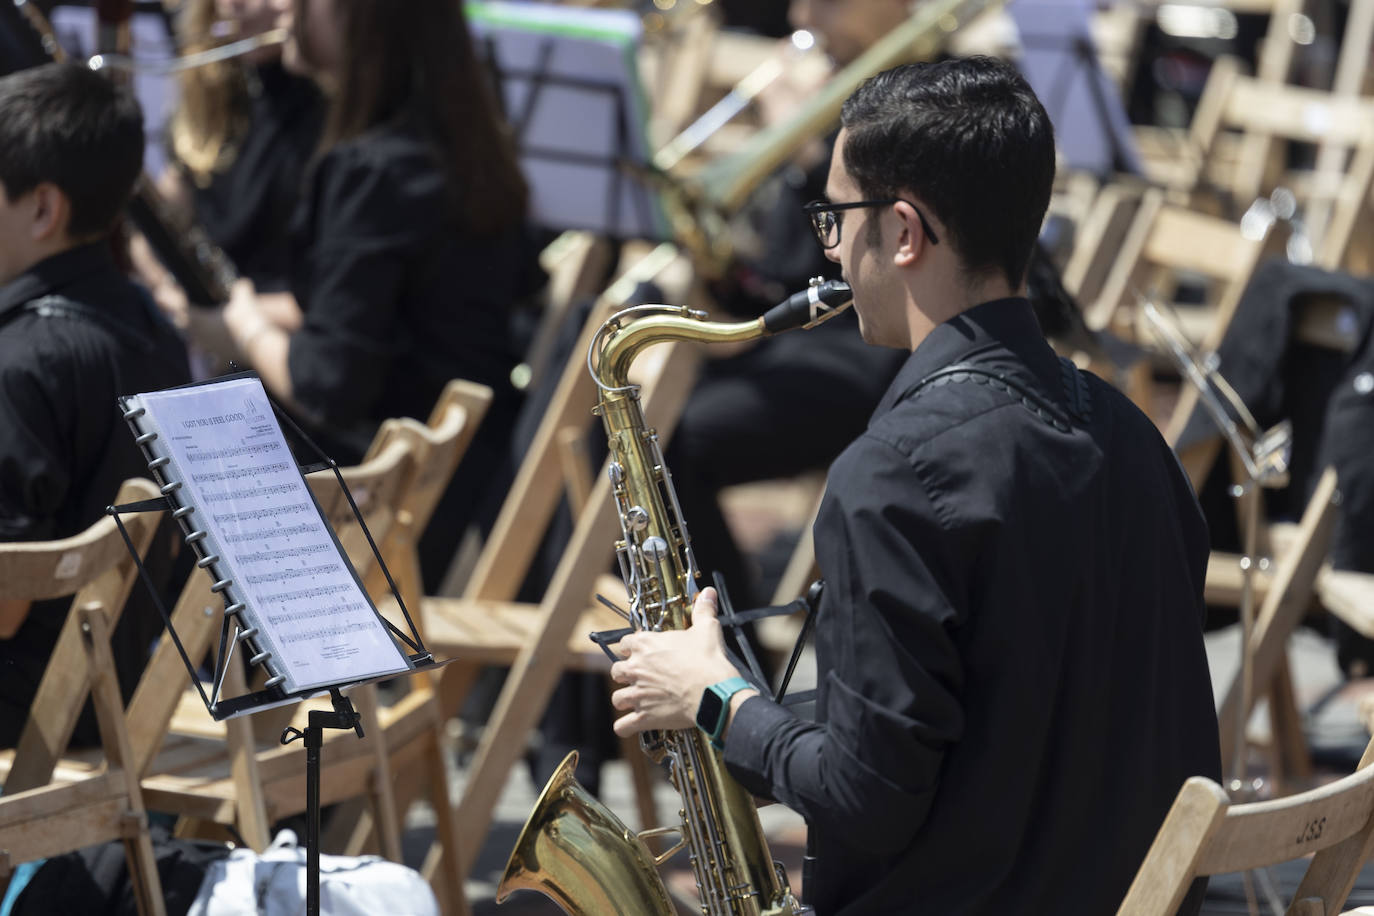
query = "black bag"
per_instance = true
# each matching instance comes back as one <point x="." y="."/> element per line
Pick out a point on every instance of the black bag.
<point x="95" y="880"/>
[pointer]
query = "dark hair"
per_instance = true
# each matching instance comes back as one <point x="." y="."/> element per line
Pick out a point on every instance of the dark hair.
<point x="971" y="140"/>
<point x="416" y="57"/>
<point x="66" y="124"/>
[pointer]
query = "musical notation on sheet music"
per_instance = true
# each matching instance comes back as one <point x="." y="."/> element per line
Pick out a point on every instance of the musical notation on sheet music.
<point x="267" y="533"/>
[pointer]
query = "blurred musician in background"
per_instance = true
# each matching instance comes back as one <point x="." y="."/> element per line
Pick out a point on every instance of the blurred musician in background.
<point x="75" y="333"/>
<point x="408" y="247"/>
<point x="241" y="137"/>
<point x="1009" y="640"/>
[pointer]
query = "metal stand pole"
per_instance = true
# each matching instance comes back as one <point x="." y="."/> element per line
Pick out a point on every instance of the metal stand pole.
<point x="342" y="716"/>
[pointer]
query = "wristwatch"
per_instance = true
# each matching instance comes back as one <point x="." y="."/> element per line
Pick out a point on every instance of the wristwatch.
<point x="714" y="710"/>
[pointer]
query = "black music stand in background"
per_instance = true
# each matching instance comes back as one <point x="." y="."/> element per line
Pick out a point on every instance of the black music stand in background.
<point x="1059" y="60"/>
<point x="569" y="85"/>
<point x="342" y="715"/>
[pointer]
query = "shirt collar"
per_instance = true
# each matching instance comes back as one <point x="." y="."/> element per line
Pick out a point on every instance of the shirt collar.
<point x="55" y="272"/>
<point x="1003" y="324"/>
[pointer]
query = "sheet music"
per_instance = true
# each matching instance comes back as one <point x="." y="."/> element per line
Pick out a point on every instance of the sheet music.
<point x="260" y="520"/>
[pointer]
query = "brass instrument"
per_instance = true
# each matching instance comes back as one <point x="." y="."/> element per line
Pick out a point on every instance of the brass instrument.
<point x="728" y="182"/>
<point x="574" y="849"/>
<point x="698" y="205"/>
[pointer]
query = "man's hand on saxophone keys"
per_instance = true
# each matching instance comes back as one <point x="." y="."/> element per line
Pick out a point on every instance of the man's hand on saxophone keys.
<point x="666" y="673"/>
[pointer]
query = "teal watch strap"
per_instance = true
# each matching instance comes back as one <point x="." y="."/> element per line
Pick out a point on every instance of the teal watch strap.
<point x="714" y="710"/>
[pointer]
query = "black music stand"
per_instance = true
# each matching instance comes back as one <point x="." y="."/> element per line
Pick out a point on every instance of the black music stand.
<point x="1059" y="60"/>
<point x="569" y="86"/>
<point x="342" y="715"/>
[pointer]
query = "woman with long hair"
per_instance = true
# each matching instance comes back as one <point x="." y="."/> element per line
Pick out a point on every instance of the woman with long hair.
<point x="408" y="247"/>
<point x="240" y="138"/>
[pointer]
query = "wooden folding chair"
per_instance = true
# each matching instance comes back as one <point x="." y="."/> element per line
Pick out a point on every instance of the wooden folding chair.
<point x="403" y="475"/>
<point x="1179" y="161"/>
<point x="1204" y="834"/>
<point x="1165" y="246"/>
<point x="39" y="820"/>
<point x="1234" y="153"/>
<point x="396" y="487"/>
<point x="1280" y="609"/>
<point x="206" y="770"/>
<point x="1288" y="569"/>
<point x="1270" y="118"/>
<point x="487" y="626"/>
<point x="174" y="743"/>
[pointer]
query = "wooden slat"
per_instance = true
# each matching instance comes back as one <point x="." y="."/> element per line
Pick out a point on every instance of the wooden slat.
<point x="1287" y="599"/>
<point x="1283" y="829"/>
<point x="1193" y="241"/>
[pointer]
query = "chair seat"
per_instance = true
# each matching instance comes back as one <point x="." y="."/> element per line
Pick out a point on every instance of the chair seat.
<point x="493" y="632"/>
<point x="1349" y="596"/>
<point x="191" y="776"/>
<point x="54" y="819"/>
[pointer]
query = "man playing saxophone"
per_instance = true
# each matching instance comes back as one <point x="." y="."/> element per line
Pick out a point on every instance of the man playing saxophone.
<point x="1012" y="683"/>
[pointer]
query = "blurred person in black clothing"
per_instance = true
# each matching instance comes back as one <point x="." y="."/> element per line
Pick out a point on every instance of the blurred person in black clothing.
<point x="241" y="137"/>
<point x="75" y="334"/>
<point x="406" y="252"/>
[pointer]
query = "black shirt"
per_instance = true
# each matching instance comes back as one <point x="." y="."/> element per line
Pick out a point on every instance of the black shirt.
<point x="246" y="209"/>
<point x="397" y="298"/>
<point x="64" y="449"/>
<point x="1012" y="682"/>
<point x="74" y="335"/>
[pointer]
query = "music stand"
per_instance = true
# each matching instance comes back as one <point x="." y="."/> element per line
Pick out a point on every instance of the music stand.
<point x="569" y="85"/>
<point x="1059" y="60"/>
<point x="245" y="618"/>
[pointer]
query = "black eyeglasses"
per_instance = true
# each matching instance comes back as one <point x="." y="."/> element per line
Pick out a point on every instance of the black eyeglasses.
<point x="826" y="218"/>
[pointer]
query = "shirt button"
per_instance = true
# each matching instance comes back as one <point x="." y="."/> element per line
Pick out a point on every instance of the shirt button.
<point x="1364" y="383"/>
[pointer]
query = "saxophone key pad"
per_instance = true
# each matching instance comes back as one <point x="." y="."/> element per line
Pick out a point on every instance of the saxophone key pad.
<point x="655" y="548"/>
<point x="636" y="519"/>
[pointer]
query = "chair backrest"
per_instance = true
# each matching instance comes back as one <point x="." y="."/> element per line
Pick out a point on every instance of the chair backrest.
<point x="589" y="551"/>
<point x="96" y="568"/>
<point x="529" y="506"/>
<point x="43" y="821"/>
<point x="375" y="485"/>
<point x="41" y="570"/>
<point x="198" y="613"/>
<point x="1204" y="834"/>
<point x="437" y="448"/>
<point x="1167" y="242"/>
<point x="1263" y="112"/>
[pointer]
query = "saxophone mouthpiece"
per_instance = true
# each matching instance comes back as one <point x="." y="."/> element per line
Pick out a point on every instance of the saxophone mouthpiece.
<point x="820" y="301"/>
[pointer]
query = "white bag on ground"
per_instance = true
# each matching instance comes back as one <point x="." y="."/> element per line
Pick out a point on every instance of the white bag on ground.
<point x="273" y="884"/>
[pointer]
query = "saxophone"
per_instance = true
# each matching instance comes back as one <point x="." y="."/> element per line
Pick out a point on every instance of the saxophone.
<point x="573" y="849"/>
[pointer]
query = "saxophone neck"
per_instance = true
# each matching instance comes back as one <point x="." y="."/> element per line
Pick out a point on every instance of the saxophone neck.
<point x="628" y="333"/>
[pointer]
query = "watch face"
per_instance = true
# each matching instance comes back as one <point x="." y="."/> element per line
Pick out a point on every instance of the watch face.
<point x="708" y="713"/>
